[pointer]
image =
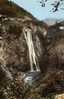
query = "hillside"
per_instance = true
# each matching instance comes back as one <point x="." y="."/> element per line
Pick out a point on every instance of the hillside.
<point x="11" y="9"/>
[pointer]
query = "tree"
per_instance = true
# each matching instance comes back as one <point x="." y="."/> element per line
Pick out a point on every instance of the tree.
<point x="56" y="5"/>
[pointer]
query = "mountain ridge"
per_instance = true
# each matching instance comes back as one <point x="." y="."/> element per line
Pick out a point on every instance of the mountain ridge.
<point x="9" y="8"/>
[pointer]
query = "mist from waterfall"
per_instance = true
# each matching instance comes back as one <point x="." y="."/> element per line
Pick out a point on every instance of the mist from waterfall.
<point x="32" y="55"/>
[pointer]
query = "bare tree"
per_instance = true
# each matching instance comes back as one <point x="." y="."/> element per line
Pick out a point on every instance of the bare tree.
<point x="56" y="5"/>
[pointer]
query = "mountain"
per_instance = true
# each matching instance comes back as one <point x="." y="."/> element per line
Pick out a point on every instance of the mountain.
<point x="51" y="21"/>
<point x="9" y="8"/>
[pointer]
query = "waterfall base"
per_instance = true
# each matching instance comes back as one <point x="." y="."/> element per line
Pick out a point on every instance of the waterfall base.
<point x="31" y="77"/>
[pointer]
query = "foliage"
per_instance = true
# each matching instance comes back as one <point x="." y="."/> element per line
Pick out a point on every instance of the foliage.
<point x="56" y="5"/>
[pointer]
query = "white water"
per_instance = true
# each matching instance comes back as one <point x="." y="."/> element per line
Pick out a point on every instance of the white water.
<point x="32" y="55"/>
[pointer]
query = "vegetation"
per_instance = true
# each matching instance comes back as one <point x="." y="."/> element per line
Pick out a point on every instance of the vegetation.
<point x="11" y="9"/>
<point x="56" y="4"/>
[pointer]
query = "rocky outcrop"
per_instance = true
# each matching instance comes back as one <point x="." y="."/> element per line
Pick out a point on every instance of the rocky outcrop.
<point x="13" y="47"/>
<point x="9" y="8"/>
<point x="14" y="55"/>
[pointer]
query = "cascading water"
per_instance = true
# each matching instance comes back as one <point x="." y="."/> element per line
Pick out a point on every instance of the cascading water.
<point x="32" y="55"/>
<point x="34" y="73"/>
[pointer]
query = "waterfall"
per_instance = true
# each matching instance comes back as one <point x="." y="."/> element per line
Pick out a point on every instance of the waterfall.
<point x="32" y="55"/>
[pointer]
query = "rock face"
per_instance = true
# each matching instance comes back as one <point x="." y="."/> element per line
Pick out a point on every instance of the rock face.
<point x="9" y="8"/>
<point x="14" y="55"/>
<point x="13" y="46"/>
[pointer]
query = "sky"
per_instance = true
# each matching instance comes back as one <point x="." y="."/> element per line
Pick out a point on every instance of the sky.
<point x="41" y="13"/>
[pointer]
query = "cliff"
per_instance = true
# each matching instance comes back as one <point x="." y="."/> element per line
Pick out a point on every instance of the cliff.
<point x="14" y="55"/>
<point x="9" y="8"/>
